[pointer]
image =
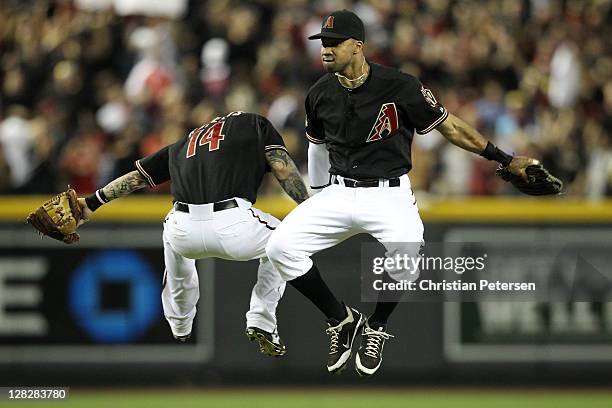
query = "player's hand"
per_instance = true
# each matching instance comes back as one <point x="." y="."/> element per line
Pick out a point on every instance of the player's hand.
<point x="86" y="212"/>
<point x="519" y="164"/>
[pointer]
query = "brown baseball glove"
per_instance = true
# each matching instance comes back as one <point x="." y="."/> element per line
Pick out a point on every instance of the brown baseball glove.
<point x="58" y="217"/>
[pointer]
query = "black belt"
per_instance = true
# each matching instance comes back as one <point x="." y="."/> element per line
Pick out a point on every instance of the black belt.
<point x="218" y="206"/>
<point x="394" y="182"/>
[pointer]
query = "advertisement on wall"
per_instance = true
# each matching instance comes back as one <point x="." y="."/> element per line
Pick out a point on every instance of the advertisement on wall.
<point x="98" y="301"/>
<point x="569" y="320"/>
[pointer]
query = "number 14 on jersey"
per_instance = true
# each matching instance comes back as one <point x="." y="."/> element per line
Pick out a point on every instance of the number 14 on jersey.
<point x="212" y="137"/>
<point x="213" y="134"/>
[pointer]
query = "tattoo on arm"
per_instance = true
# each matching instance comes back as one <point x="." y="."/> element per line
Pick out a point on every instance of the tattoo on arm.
<point x="278" y="157"/>
<point x="287" y="174"/>
<point x="124" y="185"/>
<point x="295" y="187"/>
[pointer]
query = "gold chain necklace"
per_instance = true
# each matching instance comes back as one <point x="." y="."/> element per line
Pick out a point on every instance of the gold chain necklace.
<point x="360" y="77"/>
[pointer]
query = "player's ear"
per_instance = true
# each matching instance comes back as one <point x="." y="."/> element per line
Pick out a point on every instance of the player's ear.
<point x="358" y="47"/>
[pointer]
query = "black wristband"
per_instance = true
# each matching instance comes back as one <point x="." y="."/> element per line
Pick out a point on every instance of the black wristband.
<point x="491" y="152"/>
<point x="96" y="200"/>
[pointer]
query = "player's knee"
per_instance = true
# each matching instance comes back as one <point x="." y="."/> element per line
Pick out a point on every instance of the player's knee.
<point x="274" y="249"/>
<point x="281" y="261"/>
<point x="286" y="260"/>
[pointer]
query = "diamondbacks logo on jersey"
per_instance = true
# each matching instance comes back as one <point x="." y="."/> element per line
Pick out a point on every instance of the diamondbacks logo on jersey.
<point x="329" y="23"/>
<point x="386" y="122"/>
<point x="428" y="95"/>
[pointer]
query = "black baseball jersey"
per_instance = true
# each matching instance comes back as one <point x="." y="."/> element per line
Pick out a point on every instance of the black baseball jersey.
<point x="222" y="159"/>
<point x="369" y="129"/>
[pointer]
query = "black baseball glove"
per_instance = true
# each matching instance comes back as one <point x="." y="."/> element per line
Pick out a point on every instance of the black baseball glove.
<point x="538" y="180"/>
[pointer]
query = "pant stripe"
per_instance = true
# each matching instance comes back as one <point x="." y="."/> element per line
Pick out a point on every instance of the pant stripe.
<point x="260" y="220"/>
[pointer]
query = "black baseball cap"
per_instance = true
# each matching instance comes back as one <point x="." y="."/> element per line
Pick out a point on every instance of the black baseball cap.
<point x="341" y="24"/>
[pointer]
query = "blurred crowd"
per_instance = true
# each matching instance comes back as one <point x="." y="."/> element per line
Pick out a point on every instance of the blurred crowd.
<point x="83" y="93"/>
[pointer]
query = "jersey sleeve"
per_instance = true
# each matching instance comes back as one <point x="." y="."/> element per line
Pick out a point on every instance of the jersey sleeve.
<point x="155" y="168"/>
<point x="423" y="110"/>
<point x="314" y="130"/>
<point x="269" y="135"/>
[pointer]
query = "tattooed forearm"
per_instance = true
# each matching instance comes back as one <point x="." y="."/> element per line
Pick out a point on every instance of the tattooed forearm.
<point x="287" y="174"/>
<point x="295" y="187"/>
<point x="124" y="185"/>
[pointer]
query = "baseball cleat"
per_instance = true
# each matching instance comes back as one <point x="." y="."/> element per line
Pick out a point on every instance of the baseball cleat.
<point x="341" y="337"/>
<point x="270" y="344"/>
<point x="369" y="355"/>
<point x="182" y="339"/>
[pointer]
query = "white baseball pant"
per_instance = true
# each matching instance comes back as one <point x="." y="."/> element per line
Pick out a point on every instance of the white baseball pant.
<point x="389" y="214"/>
<point x="238" y="234"/>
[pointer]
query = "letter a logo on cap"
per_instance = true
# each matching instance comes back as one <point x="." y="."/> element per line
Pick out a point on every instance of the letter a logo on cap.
<point x="329" y="23"/>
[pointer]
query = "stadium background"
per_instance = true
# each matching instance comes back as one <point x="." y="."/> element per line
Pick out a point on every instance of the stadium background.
<point x="88" y="86"/>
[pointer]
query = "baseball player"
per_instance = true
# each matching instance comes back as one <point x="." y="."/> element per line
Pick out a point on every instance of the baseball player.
<point x="361" y="118"/>
<point x="215" y="174"/>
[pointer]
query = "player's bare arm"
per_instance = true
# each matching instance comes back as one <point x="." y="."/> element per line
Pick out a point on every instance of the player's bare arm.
<point x="121" y="186"/>
<point x="461" y="134"/>
<point x="287" y="174"/>
<point x="466" y="137"/>
<point x="124" y="185"/>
